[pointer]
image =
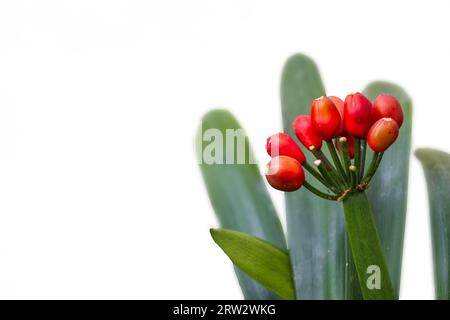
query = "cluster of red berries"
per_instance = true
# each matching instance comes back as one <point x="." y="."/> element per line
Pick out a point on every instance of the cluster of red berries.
<point x="352" y="124"/>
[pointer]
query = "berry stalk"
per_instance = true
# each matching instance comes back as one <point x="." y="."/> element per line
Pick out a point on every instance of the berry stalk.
<point x="338" y="182"/>
<point x="353" y="178"/>
<point x="357" y="160"/>
<point x="319" y="193"/>
<point x="363" y="158"/>
<point x="345" y="155"/>
<point x="317" y="175"/>
<point x="375" y="162"/>
<point x="326" y="174"/>
<point x="337" y="162"/>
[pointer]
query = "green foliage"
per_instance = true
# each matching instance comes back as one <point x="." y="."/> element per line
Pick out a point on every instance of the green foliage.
<point x="388" y="192"/>
<point x="267" y="264"/>
<point x="239" y="198"/>
<point x="436" y="165"/>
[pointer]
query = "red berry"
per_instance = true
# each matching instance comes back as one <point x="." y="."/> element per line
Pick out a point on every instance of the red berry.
<point x="340" y="106"/>
<point x="285" y="173"/>
<point x="357" y="115"/>
<point x="281" y="144"/>
<point x="306" y="132"/>
<point x="386" y="106"/>
<point x="325" y="117"/>
<point x="350" y="145"/>
<point x="382" y="134"/>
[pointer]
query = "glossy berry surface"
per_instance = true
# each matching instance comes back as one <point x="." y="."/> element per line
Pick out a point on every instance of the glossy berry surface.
<point x="382" y="134"/>
<point x="285" y="173"/>
<point x="281" y="144"/>
<point x="325" y="118"/>
<point x="306" y="132"/>
<point x="340" y="106"/>
<point x="357" y="115"/>
<point x="387" y="106"/>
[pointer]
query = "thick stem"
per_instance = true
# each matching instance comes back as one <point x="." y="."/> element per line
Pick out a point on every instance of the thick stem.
<point x="370" y="263"/>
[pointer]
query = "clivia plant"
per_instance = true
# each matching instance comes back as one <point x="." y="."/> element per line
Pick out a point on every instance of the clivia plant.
<point x="345" y="236"/>
<point x="344" y="179"/>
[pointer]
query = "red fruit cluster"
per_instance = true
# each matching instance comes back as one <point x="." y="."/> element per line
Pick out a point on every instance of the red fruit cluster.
<point x="284" y="172"/>
<point x="330" y="118"/>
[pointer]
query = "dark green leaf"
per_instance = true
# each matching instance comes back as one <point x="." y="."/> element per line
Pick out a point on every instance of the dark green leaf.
<point x="436" y="165"/>
<point x="389" y="188"/>
<point x="264" y="262"/>
<point x="239" y="197"/>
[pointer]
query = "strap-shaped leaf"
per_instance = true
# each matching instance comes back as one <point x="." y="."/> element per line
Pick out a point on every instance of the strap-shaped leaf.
<point x="388" y="190"/>
<point x="238" y="194"/>
<point x="436" y="165"/>
<point x="264" y="262"/>
<point x="315" y="226"/>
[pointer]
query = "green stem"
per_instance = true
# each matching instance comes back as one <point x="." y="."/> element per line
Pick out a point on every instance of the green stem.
<point x="363" y="158"/>
<point x="319" y="193"/>
<point x="316" y="175"/>
<point x="337" y="162"/>
<point x="353" y="178"/>
<point x="370" y="263"/>
<point x="328" y="167"/>
<point x="320" y="156"/>
<point x="327" y="175"/>
<point x="345" y="155"/>
<point x="357" y="157"/>
<point x="374" y="164"/>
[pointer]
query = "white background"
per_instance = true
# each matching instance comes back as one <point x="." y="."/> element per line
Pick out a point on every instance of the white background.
<point x="100" y="196"/>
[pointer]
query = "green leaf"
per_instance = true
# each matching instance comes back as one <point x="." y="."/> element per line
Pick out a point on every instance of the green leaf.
<point x="316" y="234"/>
<point x="436" y="165"/>
<point x="373" y="274"/>
<point x="388" y="190"/>
<point x="239" y="196"/>
<point x="264" y="262"/>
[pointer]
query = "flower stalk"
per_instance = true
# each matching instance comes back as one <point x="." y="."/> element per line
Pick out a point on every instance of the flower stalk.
<point x="345" y="155"/>
<point x="370" y="263"/>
